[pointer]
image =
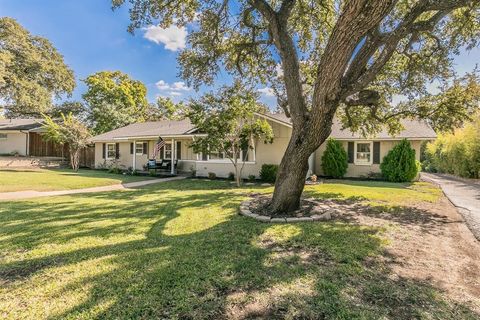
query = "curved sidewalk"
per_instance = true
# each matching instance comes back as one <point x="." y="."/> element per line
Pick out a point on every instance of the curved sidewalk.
<point x="18" y="195"/>
<point x="464" y="194"/>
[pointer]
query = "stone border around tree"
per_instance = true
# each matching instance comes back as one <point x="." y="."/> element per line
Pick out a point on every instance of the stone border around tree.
<point x="245" y="211"/>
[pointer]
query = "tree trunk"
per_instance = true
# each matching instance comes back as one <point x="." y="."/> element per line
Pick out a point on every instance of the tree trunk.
<point x="74" y="159"/>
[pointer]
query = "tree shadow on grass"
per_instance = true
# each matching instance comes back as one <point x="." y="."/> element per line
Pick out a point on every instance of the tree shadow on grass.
<point x="234" y="267"/>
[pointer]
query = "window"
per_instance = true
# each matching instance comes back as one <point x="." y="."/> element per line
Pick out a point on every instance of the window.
<point x="139" y="148"/>
<point x="110" y="150"/>
<point x="3" y="136"/>
<point x="167" y="151"/>
<point x="363" y="153"/>
<point x="215" y="155"/>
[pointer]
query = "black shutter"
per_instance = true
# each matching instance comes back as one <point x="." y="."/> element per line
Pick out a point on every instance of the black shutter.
<point x="117" y="150"/>
<point x="131" y="148"/>
<point x="104" y="150"/>
<point x="145" y="148"/>
<point x="351" y="151"/>
<point x="376" y="152"/>
<point x="179" y="150"/>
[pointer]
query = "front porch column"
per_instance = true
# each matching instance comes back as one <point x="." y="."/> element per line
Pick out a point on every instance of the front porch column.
<point x="311" y="164"/>
<point x="172" y="169"/>
<point x="134" y="156"/>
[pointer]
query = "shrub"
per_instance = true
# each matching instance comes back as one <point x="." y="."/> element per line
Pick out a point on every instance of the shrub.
<point x="268" y="173"/>
<point x="251" y="178"/>
<point x="456" y="153"/>
<point x="334" y="159"/>
<point x="212" y="176"/>
<point x="231" y="176"/>
<point x="399" y="165"/>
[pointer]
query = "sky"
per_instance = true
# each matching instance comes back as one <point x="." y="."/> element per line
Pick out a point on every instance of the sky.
<point x="92" y="38"/>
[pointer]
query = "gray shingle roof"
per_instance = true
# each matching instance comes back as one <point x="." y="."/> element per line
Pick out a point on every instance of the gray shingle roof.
<point x="20" y="124"/>
<point x="412" y="129"/>
<point x="147" y="129"/>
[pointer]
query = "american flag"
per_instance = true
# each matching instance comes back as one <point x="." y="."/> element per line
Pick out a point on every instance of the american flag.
<point x="160" y="143"/>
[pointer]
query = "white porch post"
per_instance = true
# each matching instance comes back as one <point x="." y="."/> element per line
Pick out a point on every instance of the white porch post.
<point x="311" y="160"/>
<point x="172" y="169"/>
<point x="134" y="155"/>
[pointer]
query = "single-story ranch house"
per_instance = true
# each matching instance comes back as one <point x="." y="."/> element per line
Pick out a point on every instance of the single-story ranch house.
<point x="133" y="145"/>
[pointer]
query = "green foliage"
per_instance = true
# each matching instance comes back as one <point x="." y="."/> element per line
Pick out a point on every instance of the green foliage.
<point x="268" y="173"/>
<point x="251" y="178"/>
<point x="115" y="100"/>
<point x="334" y="159"/>
<point x="69" y="131"/>
<point x="399" y="165"/>
<point x="231" y="176"/>
<point x="165" y="108"/>
<point x="212" y="176"/>
<point x="76" y="108"/>
<point x="228" y="119"/>
<point x="32" y="71"/>
<point x="456" y="153"/>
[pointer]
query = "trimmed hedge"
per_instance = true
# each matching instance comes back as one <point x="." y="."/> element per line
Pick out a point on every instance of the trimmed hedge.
<point x="268" y="173"/>
<point x="399" y="165"/>
<point x="334" y="159"/>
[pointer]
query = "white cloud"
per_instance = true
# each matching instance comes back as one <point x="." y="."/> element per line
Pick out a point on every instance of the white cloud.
<point x="175" y="89"/>
<point x="173" y="37"/>
<point x="267" y="91"/>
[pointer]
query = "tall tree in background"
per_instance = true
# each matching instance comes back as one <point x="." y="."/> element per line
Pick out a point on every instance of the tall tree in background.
<point x="32" y="71"/>
<point x="349" y="58"/>
<point x="114" y="100"/>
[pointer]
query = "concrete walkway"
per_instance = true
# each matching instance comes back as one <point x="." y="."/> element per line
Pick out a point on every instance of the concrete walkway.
<point x="18" y="195"/>
<point x="464" y="194"/>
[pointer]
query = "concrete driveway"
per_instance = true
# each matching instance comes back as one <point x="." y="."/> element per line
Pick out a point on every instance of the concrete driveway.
<point x="464" y="194"/>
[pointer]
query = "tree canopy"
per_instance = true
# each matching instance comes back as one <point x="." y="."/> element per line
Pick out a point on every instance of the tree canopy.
<point x="114" y="100"/>
<point x="350" y="58"/>
<point x="32" y="71"/>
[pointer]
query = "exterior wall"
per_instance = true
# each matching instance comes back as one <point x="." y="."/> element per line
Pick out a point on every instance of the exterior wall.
<point x="363" y="170"/>
<point x="265" y="154"/>
<point x="16" y="142"/>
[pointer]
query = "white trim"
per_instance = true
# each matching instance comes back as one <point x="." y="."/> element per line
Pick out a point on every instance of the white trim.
<point x="361" y="163"/>
<point x="226" y="161"/>
<point x="383" y="139"/>
<point x="273" y="119"/>
<point x="134" y="155"/>
<point x="106" y="150"/>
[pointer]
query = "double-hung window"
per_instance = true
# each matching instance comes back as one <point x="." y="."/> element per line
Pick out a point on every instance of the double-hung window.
<point x="3" y="136"/>
<point x="139" y="148"/>
<point x="167" y="151"/>
<point x="110" y="150"/>
<point x="363" y="153"/>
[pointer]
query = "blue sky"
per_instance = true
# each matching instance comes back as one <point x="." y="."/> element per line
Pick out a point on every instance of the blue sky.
<point x="92" y="37"/>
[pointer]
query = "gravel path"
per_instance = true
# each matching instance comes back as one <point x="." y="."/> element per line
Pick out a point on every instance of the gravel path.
<point x="464" y="194"/>
<point x="17" y="195"/>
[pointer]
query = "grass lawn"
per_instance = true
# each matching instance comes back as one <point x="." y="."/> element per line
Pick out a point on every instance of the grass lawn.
<point x="180" y="250"/>
<point x="55" y="179"/>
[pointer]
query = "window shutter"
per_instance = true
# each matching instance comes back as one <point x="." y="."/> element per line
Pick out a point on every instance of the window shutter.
<point x="351" y="151"/>
<point x="145" y="148"/>
<point x="104" y="150"/>
<point x="376" y="152"/>
<point x="179" y="150"/>
<point x="161" y="152"/>
<point x="132" y="147"/>
<point x="117" y="150"/>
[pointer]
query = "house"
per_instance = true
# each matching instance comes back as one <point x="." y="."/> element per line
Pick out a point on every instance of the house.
<point x="23" y="137"/>
<point x="132" y="146"/>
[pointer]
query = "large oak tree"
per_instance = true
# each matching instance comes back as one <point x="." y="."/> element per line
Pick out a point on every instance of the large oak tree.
<point x="32" y="71"/>
<point x="347" y="58"/>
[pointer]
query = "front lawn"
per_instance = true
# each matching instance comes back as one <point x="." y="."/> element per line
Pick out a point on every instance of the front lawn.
<point x="55" y="179"/>
<point x="179" y="250"/>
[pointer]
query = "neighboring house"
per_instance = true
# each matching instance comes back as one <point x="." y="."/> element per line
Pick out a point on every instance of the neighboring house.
<point x="133" y="145"/>
<point x="24" y="137"/>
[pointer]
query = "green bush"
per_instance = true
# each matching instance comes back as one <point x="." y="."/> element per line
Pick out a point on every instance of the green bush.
<point x="456" y="153"/>
<point x="251" y="178"/>
<point x="268" y="173"/>
<point x="399" y="165"/>
<point x="212" y="176"/>
<point x="334" y="159"/>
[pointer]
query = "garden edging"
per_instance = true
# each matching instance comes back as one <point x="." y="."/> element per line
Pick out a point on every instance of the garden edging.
<point x="245" y="211"/>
